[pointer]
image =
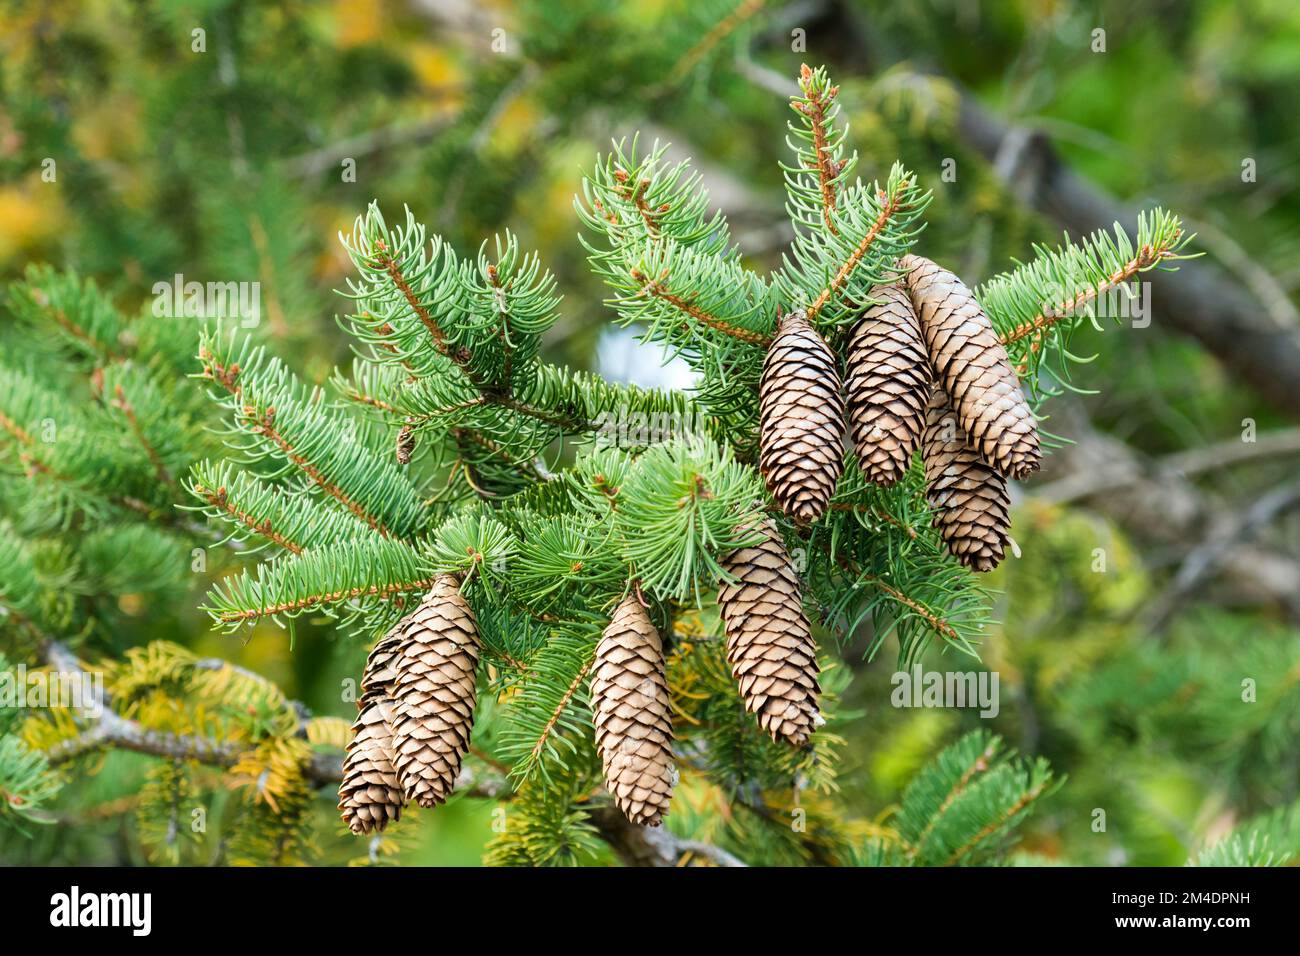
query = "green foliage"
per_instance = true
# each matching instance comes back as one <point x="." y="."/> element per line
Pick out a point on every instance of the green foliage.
<point x="516" y="129"/>
<point x="343" y="579"/>
<point x="282" y="425"/>
<point x="26" y="783"/>
<point x="543" y="830"/>
<point x="678" y="507"/>
<point x="551" y="493"/>
<point x="97" y="425"/>
<point x="1037" y="306"/>
<point x="963" y="807"/>
<point x="1272" y="839"/>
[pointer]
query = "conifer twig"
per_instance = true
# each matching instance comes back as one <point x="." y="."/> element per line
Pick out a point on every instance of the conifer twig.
<point x="559" y="709"/>
<point x="636" y="196"/>
<point x="877" y="513"/>
<point x="219" y="499"/>
<point x="719" y="32"/>
<point x="814" y="108"/>
<point x="979" y="765"/>
<point x="890" y="206"/>
<point x="61" y="319"/>
<point x="990" y="828"/>
<point x="936" y="623"/>
<point x="128" y="410"/>
<point x="334" y="597"/>
<point x="655" y="288"/>
<point x="264" y="424"/>
<point x="1146" y="257"/>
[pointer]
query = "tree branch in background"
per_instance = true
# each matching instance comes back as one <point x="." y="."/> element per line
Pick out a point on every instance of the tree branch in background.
<point x="330" y="157"/>
<point x="1201" y="563"/>
<point x="653" y="846"/>
<point x="1201" y="302"/>
<point x="634" y="845"/>
<point x="1160" y="505"/>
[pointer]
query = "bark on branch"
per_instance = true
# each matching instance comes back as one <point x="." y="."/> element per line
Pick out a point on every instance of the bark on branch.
<point x="634" y="845"/>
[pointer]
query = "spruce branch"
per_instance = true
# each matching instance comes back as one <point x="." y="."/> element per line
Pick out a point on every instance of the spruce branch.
<point x="658" y="289"/>
<point x="286" y="421"/>
<point x="344" y="579"/>
<point x="1000" y="823"/>
<point x="981" y="763"/>
<point x="546" y="726"/>
<point x="890" y="204"/>
<point x="252" y="508"/>
<point x="82" y="317"/>
<point x="124" y="405"/>
<point x="818" y="109"/>
<point x="821" y="166"/>
<point x="1039" y="302"/>
<point x="964" y="805"/>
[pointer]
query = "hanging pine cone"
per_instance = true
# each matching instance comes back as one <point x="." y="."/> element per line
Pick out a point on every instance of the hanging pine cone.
<point x="801" y="420"/>
<point x="769" y="643"/>
<point x="972" y="366"/>
<point x="370" y="796"/>
<point x="972" y="510"/>
<point x="381" y="665"/>
<point x="887" y="382"/>
<point x="434" y="693"/>
<point x="634" y="724"/>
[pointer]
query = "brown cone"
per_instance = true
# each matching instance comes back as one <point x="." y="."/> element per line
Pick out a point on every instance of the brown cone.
<point x="381" y="666"/>
<point x="633" y="717"/>
<point x="434" y="693"/>
<point x="769" y="643"/>
<point x="801" y="420"/>
<point x="972" y="366"/>
<point x="370" y="796"/>
<point x="887" y="382"/>
<point x="972" y="511"/>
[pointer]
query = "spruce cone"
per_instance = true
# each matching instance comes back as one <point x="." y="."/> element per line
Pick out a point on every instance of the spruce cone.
<point x="769" y="643"/>
<point x="887" y="380"/>
<point x="634" y="724"/>
<point x="434" y="693"/>
<point x="969" y="498"/>
<point x="381" y="666"/>
<point x="370" y="796"/>
<point x="801" y="424"/>
<point x="973" y="368"/>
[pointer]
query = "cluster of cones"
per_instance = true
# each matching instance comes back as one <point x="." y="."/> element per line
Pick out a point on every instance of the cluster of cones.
<point x="416" y="708"/>
<point x="416" y="712"/>
<point x="773" y="658"/>
<point x="923" y="368"/>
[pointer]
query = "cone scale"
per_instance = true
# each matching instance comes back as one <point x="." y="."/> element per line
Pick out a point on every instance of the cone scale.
<point x="433" y="693"/>
<point x="972" y="510"/>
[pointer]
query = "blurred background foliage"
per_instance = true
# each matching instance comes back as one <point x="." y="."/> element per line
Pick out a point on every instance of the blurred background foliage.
<point x="230" y="162"/>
